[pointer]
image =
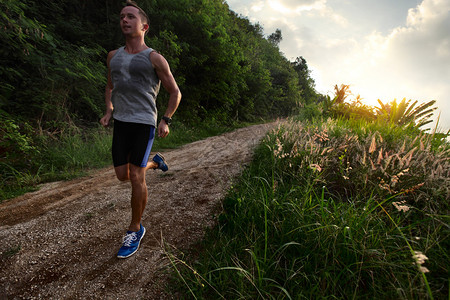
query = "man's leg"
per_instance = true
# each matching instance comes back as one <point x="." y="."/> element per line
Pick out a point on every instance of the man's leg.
<point x="135" y="233"/>
<point x="123" y="171"/>
<point x="136" y="175"/>
<point x="138" y="195"/>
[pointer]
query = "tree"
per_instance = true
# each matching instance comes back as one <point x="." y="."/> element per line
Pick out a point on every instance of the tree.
<point x="276" y="37"/>
<point x="305" y="81"/>
<point x="53" y="62"/>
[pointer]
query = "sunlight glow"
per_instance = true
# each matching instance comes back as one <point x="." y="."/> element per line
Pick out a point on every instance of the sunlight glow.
<point x="276" y="5"/>
<point x="317" y="5"/>
<point x="408" y="57"/>
<point x="258" y="6"/>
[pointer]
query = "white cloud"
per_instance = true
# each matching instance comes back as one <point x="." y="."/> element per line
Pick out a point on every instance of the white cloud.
<point x="279" y="7"/>
<point x="426" y="37"/>
<point x="294" y="4"/>
<point x="299" y="6"/>
<point x="257" y="6"/>
<point x="262" y="9"/>
<point x="411" y="59"/>
<point x="418" y="50"/>
<point x="428" y="10"/>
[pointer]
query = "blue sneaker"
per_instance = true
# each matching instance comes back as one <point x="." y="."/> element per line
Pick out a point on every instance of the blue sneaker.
<point x="159" y="159"/>
<point x="131" y="243"/>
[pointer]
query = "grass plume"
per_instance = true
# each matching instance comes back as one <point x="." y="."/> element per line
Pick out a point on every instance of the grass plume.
<point x="339" y="208"/>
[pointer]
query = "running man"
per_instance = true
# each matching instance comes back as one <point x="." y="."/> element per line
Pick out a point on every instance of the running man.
<point x="135" y="73"/>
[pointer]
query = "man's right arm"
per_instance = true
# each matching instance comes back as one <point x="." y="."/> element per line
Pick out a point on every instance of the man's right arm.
<point x="109" y="86"/>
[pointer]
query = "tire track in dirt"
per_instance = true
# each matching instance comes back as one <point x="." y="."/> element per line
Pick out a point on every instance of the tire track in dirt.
<point x="68" y="233"/>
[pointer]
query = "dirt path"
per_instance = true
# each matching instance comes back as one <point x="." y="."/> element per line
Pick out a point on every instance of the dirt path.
<point x="68" y="233"/>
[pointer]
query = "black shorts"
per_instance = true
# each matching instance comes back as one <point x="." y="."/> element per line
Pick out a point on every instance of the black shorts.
<point x="132" y="143"/>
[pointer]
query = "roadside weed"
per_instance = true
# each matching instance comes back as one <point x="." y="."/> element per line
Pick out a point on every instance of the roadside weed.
<point x="338" y="209"/>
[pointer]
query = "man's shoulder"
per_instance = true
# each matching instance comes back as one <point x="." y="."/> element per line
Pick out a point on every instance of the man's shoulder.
<point x="112" y="52"/>
<point x="155" y="54"/>
<point x="156" y="58"/>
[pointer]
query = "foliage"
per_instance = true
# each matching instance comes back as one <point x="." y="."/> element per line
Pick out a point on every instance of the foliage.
<point x="341" y="93"/>
<point x="306" y="83"/>
<point x="59" y="157"/>
<point x="406" y="114"/>
<point x="339" y="108"/>
<point x="13" y="143"/>
<point x="49" y="80"/>
<point x="311" y="219"/>
<point x="231" y="71"/>
<point x="402" y="114"/>
<point x="276" y="37"/>
<point x="53" y="73"/>
<point x="355" y="158"/>
<point x="74" y="153"/>
<point x="53" y="61"/>
<point x="309" y="112"/>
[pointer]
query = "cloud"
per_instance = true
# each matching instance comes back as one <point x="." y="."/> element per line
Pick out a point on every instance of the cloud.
<point x="419" y="49"/>
<point x="288" y="7"/>
<point x="413" y="60"/>
<point x="410" y="58"/>
<point x="298" y="6"/>
<point x="293" y="9"/>
<point x="428" y="12"/>
<point x="257" y="6"/>
<point x="294" y="4"/>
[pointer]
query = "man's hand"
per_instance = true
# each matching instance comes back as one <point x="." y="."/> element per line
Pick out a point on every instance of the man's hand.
<point x="105" y="120"/>
<point x="163" y="129"/>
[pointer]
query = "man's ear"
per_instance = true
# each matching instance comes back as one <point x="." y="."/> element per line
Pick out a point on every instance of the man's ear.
<point x="145" y="27"/>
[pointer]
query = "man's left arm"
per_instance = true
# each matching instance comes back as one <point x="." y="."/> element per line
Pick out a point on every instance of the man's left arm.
<point x="165" y="75"/>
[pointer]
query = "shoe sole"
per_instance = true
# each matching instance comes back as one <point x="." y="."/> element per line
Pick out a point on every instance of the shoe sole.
<point x="163" y="158"/>
<point x="164" y="161"/>
<point x="137" y="248"/>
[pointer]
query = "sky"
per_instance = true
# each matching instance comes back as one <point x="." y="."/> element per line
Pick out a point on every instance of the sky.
<point x="383" y="49"/>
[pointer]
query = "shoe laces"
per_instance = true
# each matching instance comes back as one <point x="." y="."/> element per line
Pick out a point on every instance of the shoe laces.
<point x="129" y="238"/>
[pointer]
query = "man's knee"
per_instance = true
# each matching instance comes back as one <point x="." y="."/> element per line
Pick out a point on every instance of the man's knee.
<point x="123" y="177"/>
<point x="122" y="173"/>
<point x="137" y="175"/>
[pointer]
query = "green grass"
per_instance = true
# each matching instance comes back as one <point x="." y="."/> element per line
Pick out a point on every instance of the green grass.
<point x="11" y="252"/>
<point x="290" y="231"/>
<point x="60" y="157"/>
<point x="181" y="134"/>
<point x="76" y="152"/>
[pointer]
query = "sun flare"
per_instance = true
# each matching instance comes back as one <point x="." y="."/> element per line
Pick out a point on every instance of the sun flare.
<point x="276" y="5"/>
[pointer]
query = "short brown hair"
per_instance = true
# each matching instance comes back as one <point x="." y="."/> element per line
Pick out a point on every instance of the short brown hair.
<point x="141" y="12"/>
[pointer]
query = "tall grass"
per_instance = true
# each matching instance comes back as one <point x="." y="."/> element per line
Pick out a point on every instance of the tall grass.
<point x="335" y="209"/>
<point x="55" y="157"/>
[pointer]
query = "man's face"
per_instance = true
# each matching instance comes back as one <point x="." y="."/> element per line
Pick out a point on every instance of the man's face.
<point x="131" y="22"/>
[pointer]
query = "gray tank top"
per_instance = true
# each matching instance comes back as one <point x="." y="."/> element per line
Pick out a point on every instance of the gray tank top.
<point x="136" y="86"/>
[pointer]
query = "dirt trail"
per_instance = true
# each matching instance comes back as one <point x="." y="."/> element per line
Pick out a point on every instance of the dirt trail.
<point x="69" y="232"/>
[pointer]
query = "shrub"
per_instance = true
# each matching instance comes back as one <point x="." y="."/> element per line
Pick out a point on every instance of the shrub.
<point x="406" y="114"/>
<point x="14" y="143"/>
<point x="360" y="159"/>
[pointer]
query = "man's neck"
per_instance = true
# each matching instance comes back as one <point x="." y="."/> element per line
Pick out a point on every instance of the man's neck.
<point x="135" y="44"/>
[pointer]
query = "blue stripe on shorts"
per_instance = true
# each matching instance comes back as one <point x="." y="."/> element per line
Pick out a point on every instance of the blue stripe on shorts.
<point x="151" y="138"/>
